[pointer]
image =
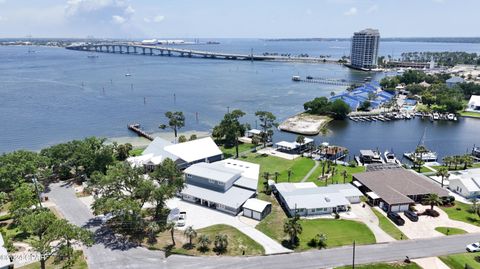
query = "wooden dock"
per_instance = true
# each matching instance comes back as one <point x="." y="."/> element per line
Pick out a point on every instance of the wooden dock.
<point x="135" y="127"/>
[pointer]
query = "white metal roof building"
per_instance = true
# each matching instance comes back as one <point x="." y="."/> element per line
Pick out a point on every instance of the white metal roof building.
<point x="256" y="209"/>
<point x="474" y="104"/>
<point x="307" y="199"/>
<point x="184" y="154"/>
<point x="466" y="183"/>
<point x="223" y="185"/>
<point x="293" y="146"/>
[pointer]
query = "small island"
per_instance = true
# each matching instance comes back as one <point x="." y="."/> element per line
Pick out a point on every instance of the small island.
<point x="318" y="113"/>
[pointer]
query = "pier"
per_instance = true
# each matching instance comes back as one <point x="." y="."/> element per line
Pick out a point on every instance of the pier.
<point x="155" y="50"/>
<point x="327" y="81"/>
<point x="135" y="127"/>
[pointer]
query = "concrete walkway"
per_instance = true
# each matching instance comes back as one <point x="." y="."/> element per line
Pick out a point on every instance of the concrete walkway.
<point x="200" y="217"/>
<point x="366" y="215"/>
<point x="431" y="263"/>
<point x="317" y="163"/>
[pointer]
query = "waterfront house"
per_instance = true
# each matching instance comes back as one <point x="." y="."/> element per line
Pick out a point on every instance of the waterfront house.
<point x="451" y="82"/>
<point x="466" y="183"/>
<point x="294" y="147"/>
<point x="395" y="189"/>
<point x="225" y="185"/>
<point x="474" y="104"/>
<point x="371" y="92"/>
<point x="184" y="154"/>
<point x="306" y="199"/>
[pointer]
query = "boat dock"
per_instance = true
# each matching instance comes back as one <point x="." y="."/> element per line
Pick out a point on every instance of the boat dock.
<point x="135" y="127"/>
<point x="327" y="81"/>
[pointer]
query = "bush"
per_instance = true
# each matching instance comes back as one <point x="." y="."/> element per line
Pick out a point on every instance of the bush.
<point x="431" y="213"/>
<point x="458" y="209"/>
<point x="337" y="216"/>
<point x="352" y="163"/>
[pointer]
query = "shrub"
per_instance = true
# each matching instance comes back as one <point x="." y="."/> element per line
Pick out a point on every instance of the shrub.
<point x="337" y="216"/>
<point x="431" y="213"/>
<point x="458" y="209"/>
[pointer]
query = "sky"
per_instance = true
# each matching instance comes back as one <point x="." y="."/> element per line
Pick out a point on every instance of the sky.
<point x="237" y="18"/>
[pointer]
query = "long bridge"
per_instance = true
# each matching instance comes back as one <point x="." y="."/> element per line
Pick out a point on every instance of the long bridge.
<point x="154" y="50"/>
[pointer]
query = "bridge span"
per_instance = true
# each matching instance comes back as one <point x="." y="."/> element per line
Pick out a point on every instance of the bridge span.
<point x="154" y="50"/>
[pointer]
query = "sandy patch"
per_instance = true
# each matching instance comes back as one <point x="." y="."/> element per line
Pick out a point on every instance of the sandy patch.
<point x="305" y="124"/>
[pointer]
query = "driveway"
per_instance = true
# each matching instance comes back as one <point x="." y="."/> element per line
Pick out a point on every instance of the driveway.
<point x="366" y="215"/>
<point x="200" y="217"/>
<point x="425" y="227"/>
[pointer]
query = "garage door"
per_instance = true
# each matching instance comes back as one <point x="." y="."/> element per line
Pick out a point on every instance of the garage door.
<point x="247" y="212"/>
<point x="399" y="208"/>
<point x="257" y="215"/>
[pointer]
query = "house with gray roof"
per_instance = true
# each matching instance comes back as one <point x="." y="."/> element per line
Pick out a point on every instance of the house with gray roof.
<point x="451" y="82"/>
<point x="395" y="189"/>
<point x="306" y="199"/>
<point x="223" y="185"/>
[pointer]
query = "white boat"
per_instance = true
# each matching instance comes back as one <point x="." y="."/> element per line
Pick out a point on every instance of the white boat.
<point x="451" y="116"/>
<point x="389" y="157"/>
<point x="128" y="75"/>
<point x="428" y="156"/>
<point x="436" y="116"/>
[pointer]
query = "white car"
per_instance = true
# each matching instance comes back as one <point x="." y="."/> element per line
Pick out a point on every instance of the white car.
<point x="182" y="217"/>
<point x="475" y="247"/>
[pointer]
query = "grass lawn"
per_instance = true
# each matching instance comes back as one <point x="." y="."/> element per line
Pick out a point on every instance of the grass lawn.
<point x="299" y="167"/>
<point x="384" y="266"/>
<point x="460" y="167"/>
<point x="470" y="114"/>
<point x="230" y="152"/>
<point x="458" y="261"/>
<point x="451" y="230"/>
<point x="339" y="232"/>
<point x="337" y="178"/>
<point x="136" y="152"/>
<point x="424" y="169"/>
<point x="272" y="225"/>
<point x="389" y="227"/>
<point x="461" y="212"/>
<point x="237" y="242"/>
<point x="79" y="264"/>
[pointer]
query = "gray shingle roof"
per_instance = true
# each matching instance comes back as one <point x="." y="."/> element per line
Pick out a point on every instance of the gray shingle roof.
<point x="211" y="171"/>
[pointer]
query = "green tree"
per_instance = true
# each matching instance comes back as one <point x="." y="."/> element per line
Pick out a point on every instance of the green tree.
<point x="190" y="233"/>
<point x="15" y="166"/>
<point x="467" y="161"/>
<point x="176" y="121"/>
<point x="344" y="174"/>
<point x="365" y="106"/>
<point x="221" y="243"/>
<point x="433" y="200"/>
<point x="292" y="228"/>
<point x="193" y="137"/>
<point x="203" y="242"/>
<point x="321" y="240"/>
<point x="230" y="129"/>
<point x="182" y="139"/>
<point x="300" y="139"/>
<point x="122" y="151"/>
<point x="23" y="199"/>
<point x="152" y="229"/>
<point x="267" y="123"/>
<point x="52" y="236"/>
<point x="170" y="226"/>
<point x="443" y="173"/>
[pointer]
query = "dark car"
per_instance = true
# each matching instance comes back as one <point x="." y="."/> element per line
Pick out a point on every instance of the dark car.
<point x="396" y="218"/>
<point x="411" y="215"/>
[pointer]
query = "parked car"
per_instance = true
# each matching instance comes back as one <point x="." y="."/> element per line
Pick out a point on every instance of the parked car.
<point x="475" y="247"/>
<point x="396" y="218"/>
<point x="182" y="218"/>
<point x="411" y="215"/>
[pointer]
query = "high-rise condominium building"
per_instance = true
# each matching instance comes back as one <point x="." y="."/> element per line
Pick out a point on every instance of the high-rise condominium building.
<point x="365" y="49"/>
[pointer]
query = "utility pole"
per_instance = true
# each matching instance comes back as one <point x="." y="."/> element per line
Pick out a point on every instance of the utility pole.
<point x="353" y="258"/>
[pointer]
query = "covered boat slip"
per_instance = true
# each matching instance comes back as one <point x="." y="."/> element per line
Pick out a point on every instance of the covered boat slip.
<point x="294" y="147"/>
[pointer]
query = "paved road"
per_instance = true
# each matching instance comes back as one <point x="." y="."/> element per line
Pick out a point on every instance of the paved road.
<point x="108" y="254"/>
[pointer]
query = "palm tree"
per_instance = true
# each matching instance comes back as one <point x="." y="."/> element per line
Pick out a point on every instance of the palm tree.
<point x="474" y="202"/>
<point x="289" y="174"/>
<point x="152" y="229"/>
<point x="447" y="161"/>
<point x="276" y="174"/>
<point x="432" y="199"/>
<point x="221" y="242"/>
<point x="443" y="173"/>
<point x="293" y="228"/>
<point x="204" y="242"/>
<point x="190" y="233"/>
<point x="300" y="139"/>
<point x="266" y="177"/>
<point x="457" y="160"/>
<point x="321" y="240"/>
<point x="344" y="175"/>
<point x="171" y="227"/>
<point x="467" y="161"/>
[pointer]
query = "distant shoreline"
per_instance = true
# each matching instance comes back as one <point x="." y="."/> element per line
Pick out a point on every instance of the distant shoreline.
<point x="472" y="40"/>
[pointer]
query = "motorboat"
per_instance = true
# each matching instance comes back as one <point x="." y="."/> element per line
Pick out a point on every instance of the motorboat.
<point x="390" y="157"/>
<point x="451" y="116"/>
<point x="428" y="156"/>
<point x="436" y="116"/>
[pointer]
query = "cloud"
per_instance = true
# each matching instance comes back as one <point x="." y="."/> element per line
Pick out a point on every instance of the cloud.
<point x="351" y="12"/>
<point x="118" y="19"/>
<point x="372" y="9"/>
<point x="156" y="19"/>
<point x="115" y="11"/>
<point x="3" y="18"/>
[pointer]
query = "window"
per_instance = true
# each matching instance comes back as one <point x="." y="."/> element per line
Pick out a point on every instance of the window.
<point x="211" y="181"/>
<point x="189" y="176"/>
<point x="220" y="183"/>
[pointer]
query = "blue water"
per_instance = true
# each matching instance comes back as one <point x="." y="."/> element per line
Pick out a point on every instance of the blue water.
<point x="56" y="95"/>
